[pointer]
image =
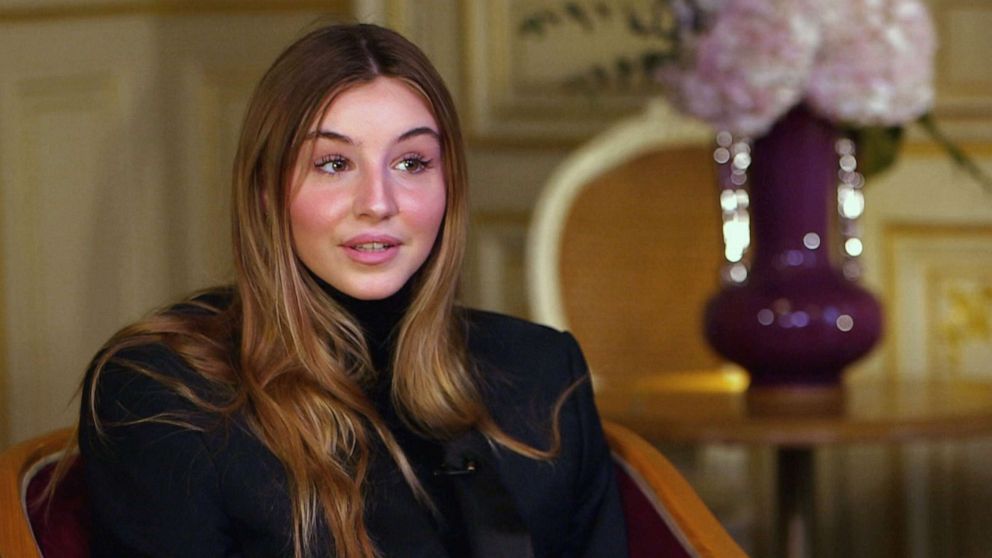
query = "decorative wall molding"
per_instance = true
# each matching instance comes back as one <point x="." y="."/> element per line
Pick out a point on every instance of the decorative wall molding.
<point x="940" y="274"/>
<point x="959" y="303"/>
<point x="56" y="226"/>
<point x="35" y="11"/>
<point x="215" y="102"/>
<point x="514" y="84"/>
<point x="963" y="74"/>
<point x="433" y="26"/>
<point x="495" y="262"/>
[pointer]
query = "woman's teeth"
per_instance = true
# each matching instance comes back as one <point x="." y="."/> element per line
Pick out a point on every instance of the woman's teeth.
<point x="372" y="246"/>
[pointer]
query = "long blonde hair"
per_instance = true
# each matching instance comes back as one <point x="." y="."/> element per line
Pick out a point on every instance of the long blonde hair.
<point x="293" y="362"/>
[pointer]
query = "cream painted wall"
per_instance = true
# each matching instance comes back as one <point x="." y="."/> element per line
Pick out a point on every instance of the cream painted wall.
<point x="118" y="130"/>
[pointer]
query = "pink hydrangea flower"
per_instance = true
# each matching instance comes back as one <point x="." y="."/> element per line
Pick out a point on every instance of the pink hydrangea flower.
<point x="749" y="68"/>
<point x="860" y="62"/>
<point x="875" y="64"/>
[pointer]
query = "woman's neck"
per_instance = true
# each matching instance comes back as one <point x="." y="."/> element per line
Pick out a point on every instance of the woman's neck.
<point x="379" y="319"/>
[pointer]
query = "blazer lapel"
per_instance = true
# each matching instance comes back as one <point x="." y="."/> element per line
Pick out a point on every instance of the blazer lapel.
<point x="492" y="523"/>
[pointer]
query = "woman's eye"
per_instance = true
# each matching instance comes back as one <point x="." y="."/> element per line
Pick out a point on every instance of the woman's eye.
<point x="413" y="165"/>
<point x="332" y="165"/>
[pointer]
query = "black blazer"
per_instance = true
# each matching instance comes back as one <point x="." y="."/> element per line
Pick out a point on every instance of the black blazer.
<point x="165" y="490"/>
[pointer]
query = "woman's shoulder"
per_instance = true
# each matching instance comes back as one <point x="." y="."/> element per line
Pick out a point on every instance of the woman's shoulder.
<point x="140" y="371"/>
<point x="149" y="342"/>
<point x="524" y="352"/>
<point x="206" y="302"/>
<point x="142" y="381"/>
<point x="151" y="359"/>
<point x="486" y="327"/>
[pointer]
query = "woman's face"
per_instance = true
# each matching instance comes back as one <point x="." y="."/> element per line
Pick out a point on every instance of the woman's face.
<point x="369" y="194"/>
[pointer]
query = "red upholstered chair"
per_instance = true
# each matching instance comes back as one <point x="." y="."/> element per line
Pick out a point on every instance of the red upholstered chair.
<point x="29" y="529"/>
<point x="665" y="517"/>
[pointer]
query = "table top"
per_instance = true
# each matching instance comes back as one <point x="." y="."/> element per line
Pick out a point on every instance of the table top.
<point x="869" y="411"/>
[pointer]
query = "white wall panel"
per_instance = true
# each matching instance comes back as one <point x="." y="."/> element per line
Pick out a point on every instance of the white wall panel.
<point x="56" y="210"/>
<point x="73" y="193"/>
<point x="117" y="132"/>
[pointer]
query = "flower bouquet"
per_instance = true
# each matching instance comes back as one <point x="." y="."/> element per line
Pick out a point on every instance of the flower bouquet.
<point x="809" y="96"/>
<point x="740" y="65"/>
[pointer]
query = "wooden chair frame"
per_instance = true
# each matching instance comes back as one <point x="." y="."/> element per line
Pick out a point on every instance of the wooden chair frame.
<point x="658" y="126"/>
<point x="674" y="499"/>
<point x="18" y="464"/>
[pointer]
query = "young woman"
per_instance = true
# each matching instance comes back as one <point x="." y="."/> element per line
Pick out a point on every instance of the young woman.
<point x="335" y="401"/>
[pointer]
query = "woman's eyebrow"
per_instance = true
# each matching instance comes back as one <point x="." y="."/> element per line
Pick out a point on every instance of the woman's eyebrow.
<point x="420" y="131"/>
<point x="328" y="134"/>
<point x="412" y="133"/>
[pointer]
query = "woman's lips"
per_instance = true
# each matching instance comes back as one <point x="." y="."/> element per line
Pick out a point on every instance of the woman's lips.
<point x="371" y="249"/>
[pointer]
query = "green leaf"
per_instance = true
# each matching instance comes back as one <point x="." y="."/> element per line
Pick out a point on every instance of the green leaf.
<point x="531" y="26"/>
<point x="877" y="147"/>
<point x="579" y="15"/>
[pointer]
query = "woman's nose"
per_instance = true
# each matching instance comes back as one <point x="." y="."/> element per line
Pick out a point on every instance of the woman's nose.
<point x="375" y="197"/>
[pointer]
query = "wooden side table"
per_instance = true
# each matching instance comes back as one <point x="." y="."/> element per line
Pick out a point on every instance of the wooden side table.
<point x="796" y="422"/>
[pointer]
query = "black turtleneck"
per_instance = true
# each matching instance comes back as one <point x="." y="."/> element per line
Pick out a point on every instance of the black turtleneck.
<point x="379" y="320"/>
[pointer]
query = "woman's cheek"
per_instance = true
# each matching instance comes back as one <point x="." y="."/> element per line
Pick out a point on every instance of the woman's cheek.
<point x="314" y="210"/>
<point x="428" y="210"/>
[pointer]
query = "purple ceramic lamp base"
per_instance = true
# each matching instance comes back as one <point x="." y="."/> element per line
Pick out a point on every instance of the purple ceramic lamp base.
<point x="796" y="321"/>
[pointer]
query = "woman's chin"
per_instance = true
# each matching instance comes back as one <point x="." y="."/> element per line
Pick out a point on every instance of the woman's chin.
<point x="370" y="290"/>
